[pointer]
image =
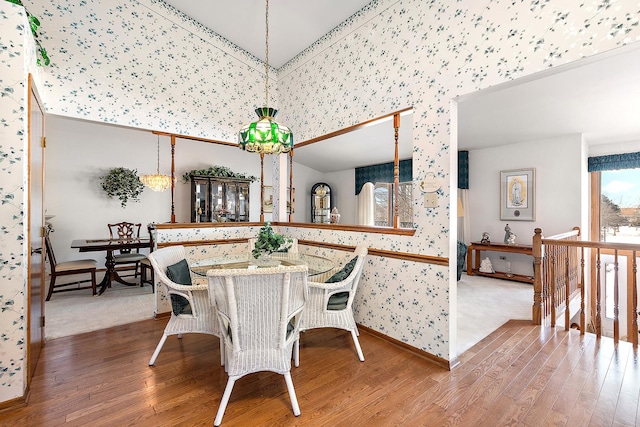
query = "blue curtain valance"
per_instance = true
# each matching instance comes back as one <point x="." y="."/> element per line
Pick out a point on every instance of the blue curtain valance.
<point x="613" y="162"/>
<point x="383" y="173"/>
<point x="463" y="170"/>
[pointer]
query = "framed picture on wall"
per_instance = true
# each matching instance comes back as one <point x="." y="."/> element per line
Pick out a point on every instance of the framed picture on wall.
<point x="267" y="207"/>
<point x="268" y="200"/>
<point x="517" y="195"/>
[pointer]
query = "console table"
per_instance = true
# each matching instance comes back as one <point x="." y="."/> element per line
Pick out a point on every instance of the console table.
<point x="476" y="248"/>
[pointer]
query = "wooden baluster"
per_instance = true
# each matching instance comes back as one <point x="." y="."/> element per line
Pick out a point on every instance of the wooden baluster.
<point x="537" y="309"/>
<point x="583" y="325"/>
<point x="598" y="318"/>
<point x="553" y="284"/>
<point x="634" y="304"/>
<point x="616" y="296"/>
<point x="567" y="290"/>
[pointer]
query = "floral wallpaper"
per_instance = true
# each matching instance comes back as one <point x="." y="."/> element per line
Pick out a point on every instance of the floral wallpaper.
<point x="141" y="63"/>
<point x="12" y="166"/>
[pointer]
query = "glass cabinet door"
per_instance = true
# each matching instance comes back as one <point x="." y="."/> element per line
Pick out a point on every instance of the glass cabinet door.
<point x="243" y="202"/>
<point x="231" y="194"/>
<point x="219" y="199"/>
<point x="199" y="200"/>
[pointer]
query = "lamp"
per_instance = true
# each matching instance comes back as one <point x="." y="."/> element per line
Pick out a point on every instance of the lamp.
<point x="157" y="182"/>
<point x="266" y="135"/>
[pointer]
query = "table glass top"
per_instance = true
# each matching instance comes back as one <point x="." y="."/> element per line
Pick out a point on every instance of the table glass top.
<point x="317" y="265"/>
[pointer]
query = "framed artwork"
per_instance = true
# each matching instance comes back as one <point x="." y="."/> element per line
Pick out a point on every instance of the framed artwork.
<point x="268" y="200"/>
<point x="267" y="207"/>
<point x="517" y="195"/>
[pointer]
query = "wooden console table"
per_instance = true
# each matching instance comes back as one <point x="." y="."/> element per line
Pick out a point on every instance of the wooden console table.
<point x="473" y="264"/>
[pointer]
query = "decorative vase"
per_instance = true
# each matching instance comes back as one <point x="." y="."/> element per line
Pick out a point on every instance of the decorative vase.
<point x="335" y="216"/>
<point x="265" y="260"/>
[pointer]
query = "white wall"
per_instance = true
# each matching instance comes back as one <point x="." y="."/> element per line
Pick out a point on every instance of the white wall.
<point x="558" y="191"/>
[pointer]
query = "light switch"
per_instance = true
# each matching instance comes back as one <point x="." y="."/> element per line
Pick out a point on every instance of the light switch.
<point x="431" y="200"/>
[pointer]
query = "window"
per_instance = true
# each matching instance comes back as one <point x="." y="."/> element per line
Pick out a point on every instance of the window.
<point x="383" y="209"/>
<point x="620" y="206"/>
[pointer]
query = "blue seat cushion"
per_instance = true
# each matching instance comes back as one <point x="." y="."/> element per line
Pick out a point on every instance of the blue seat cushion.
<point x="338" y="301"/>
<point x="180" y="274"/>
<point x="343" y="273"/>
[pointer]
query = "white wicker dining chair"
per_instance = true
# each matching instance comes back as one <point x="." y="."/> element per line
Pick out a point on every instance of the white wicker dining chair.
<point x="330" y="304"/>
<point x="259" y="313"/>
<point x="191" y="310"/>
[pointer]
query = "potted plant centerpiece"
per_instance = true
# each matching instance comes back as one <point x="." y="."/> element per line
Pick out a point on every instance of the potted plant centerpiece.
<point x="268" y="242"/>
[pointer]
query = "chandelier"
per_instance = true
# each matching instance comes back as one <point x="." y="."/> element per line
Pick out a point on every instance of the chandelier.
<point x="157" y="182"/>
<point x="266" y="135"/>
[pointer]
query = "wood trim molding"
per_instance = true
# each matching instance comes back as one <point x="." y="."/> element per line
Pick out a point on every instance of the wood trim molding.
<point x="13" y="404"/>
<point x="372" y="251"/>
<point x="338" y="227"/>
<point x="348" y="129"/>
<point x="357" y="228"/>
<point x="449" y="365"/>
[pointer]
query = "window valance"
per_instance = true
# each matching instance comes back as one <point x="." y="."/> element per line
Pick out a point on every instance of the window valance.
<point x="383" y="173"/>
<point x="613" y="162"/>
<point x="463" y="170"/>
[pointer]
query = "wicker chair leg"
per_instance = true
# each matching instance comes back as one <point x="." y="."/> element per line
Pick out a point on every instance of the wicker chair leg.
<point x="223" y="359"/>
<point x="292" y="394"/>
<point x="225" y="400"/>
<point x="158" y="348"/>
<point x="296" y="353"/>
<point x="354" y="335"/>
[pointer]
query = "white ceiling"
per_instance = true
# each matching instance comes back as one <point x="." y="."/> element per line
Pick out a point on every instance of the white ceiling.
<point x="294" y="25"/>
<point x="598" y="97"/>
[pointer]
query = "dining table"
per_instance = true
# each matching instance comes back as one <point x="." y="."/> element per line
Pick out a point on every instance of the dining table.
<point x="316" y="264"/>
<point x="110" y="246"/>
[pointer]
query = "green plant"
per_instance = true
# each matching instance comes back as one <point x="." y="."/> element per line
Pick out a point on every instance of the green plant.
<point x="122" y="183"/>
<point x="220" y="171"/>
<point x="34" y="23"/>
<point x="269" y="241"/>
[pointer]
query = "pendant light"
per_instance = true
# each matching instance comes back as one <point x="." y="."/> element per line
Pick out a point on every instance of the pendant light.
<point x="266" y="136"/>
<point x="157" y="182"/>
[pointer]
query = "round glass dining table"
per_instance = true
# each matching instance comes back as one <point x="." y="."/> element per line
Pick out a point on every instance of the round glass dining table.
<point x="316" y="264"/>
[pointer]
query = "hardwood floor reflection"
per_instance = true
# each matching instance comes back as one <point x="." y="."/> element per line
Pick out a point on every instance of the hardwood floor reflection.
<point x="519" y="375"/>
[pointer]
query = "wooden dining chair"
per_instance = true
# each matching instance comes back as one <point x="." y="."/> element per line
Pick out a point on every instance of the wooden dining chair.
<point x="127" y="231"/>
<point x="80" y="266"/>
<point x="146" y="269"/>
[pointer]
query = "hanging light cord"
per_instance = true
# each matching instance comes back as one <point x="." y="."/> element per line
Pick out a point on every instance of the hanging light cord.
<point x="158" y="169"/>
<point x="266" y="57"/>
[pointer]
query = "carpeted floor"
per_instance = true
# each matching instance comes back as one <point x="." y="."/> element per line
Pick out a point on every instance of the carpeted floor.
<point x="484" y="304"/>
<point x="71" y="313"/>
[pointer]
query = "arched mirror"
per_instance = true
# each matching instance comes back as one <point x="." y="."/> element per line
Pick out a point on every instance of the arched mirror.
<point x="347" y="159"/>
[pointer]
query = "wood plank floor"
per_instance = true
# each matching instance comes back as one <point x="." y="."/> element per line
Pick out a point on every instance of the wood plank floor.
<point x="520" y="375"/>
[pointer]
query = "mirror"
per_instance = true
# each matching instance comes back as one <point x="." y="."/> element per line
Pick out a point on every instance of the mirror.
<point x="333" y="158"/>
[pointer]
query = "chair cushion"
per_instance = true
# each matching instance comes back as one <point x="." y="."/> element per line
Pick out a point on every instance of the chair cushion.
<point x="338" y="301"/>
<point x="180" y="274"/>
<point x="80" y="264"/>
<point x="129" y="257"/>
<point x="343" y="273"/>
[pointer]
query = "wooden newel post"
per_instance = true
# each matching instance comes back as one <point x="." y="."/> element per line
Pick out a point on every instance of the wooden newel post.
<point x="537" y="311"/>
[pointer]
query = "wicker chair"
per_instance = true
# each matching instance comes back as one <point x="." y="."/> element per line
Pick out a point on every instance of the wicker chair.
<point x="196" y="315"/>
<point x="259" y="315"/>
<point x="252" y="241"/>
<point x="330" y="304"/>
